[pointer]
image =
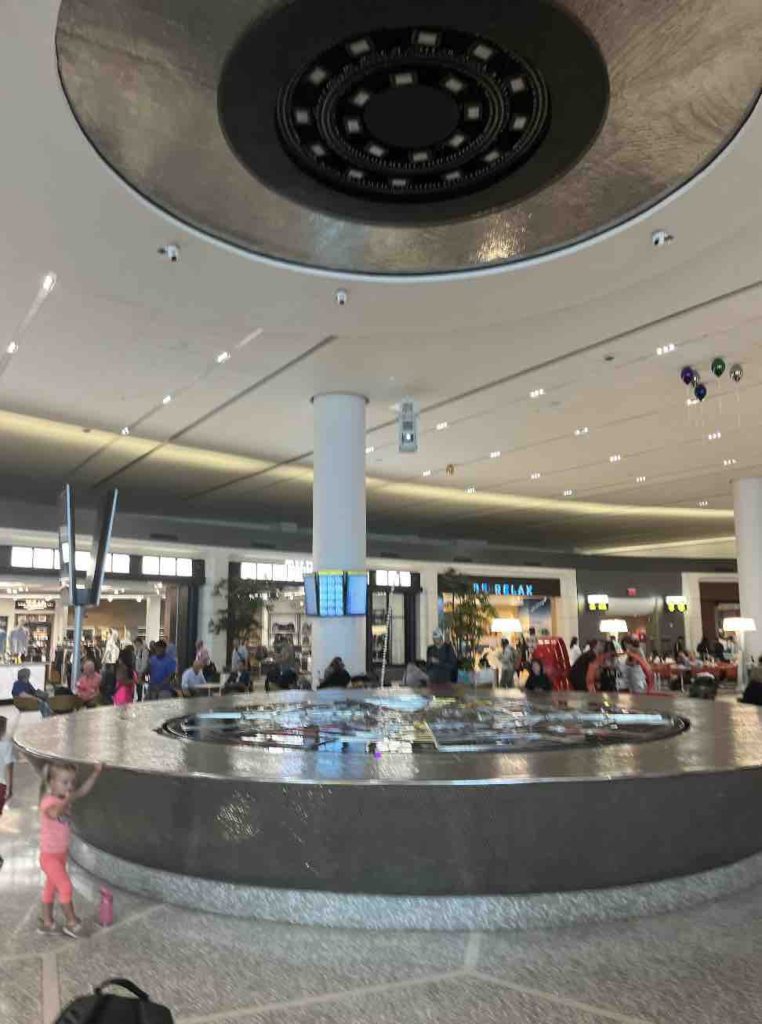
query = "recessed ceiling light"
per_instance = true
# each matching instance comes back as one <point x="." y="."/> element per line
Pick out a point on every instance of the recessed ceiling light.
<point x="730" y="462"/>
<point x="664" y="350"/>
<point x="495" y="454"/>
<point x="691" y="401"/>
<point x="166" y="400"/>
<point x="426" y="472"/>
<point x="470" y="490"/>
<point x="125" y="431"/>
<point x="443" y="425"/>
<point x="661" y="238"/>
<point x="640" y="479"/>
<point x="49" y="282"/>
<point x="568" y="494"/>
<point x="703" y="504"/>
<point x="223" y="357"/>
<point x="581" y="431"/>
<point x="370" y="449"/>
<point x="615" y="458"/>
<point x="12" y="347"/>
<point x="714" y="437"/>
<point x="535" y="476"/>
<point x="537" y="393"/>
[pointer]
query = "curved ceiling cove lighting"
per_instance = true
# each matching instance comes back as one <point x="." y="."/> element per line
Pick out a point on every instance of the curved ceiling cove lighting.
<point x="421" y="137"/>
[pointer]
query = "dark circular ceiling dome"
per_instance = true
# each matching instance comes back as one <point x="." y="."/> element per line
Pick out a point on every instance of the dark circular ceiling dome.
<point x="437" y="119"/>
<point x="408" y="136"/>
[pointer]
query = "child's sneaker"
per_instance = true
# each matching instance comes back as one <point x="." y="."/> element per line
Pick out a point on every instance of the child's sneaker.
<point x="46" y="929"/>
<point x="73" y="930"/>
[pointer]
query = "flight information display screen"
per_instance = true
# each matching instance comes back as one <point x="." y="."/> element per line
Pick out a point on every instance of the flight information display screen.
<point x="330" y="594"/>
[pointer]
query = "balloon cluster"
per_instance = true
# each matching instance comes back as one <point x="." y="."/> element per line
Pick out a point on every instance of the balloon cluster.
<point x="692" y="378"/>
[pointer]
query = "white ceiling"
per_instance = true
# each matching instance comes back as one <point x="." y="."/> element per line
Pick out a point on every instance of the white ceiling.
<point x="123" y="328"/>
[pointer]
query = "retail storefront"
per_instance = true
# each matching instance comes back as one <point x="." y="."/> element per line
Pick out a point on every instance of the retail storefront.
<point x="143" y="595"/>
<point x="533" y="601"/>
<point x="392" y="620"/>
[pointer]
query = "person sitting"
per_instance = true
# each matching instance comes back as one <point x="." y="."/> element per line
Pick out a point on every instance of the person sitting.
<point x="441" y="661"/>
<point x="202" y="654"/>
<point x="703" y="650"/>
<point x="23" y="688"/>
<point x="237" y="682"/>
<point x="335" y="676"/>
<point x="602" y="674"/>
<point x="537" y="679"/>
<point x="89" y="683"/>
<point x="414" y="675"/>
<point x="193" y="679"/>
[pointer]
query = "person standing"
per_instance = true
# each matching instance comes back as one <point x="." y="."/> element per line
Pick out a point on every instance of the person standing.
<point x="574" y="650"/>
<point x="142" y="657"/>
<point x="240" y="658"/>
<point x="578" y="671"/>
<point x="507" y="663"/>
<point x="161" y="669"/>
<point x="441" y="661"/>
<point x="7" y="760"/>
<point x="203" y="657"/>
<point x="531" y="643"/>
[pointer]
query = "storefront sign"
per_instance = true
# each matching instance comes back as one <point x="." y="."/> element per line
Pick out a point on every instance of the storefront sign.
<point x="35" y="604"/>
<point x="511" y="587"/>
<point x="290" y="571"/>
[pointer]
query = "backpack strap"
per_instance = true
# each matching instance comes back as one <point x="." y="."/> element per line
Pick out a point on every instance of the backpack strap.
<point x="123" y="983"/>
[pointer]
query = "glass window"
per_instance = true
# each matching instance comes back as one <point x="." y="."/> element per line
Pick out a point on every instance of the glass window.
<point x="248" y="571"/>
<point x="43" y="558"/>
<point x="184" y="566"/>
<point x="167" y="566"/>
<point x="22" y="558"/>
<point x="81" y="561"/>
<point x="150" y="565"/>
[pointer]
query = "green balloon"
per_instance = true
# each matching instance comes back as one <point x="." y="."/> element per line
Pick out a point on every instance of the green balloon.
<point x="718" y="366"/>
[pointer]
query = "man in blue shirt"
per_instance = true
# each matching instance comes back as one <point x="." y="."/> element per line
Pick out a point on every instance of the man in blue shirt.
<point x="161" y="668"/>
<point x="23" y="688"/>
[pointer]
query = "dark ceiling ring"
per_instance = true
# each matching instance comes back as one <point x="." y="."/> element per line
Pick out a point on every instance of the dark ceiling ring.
<point x="412" y="121"/>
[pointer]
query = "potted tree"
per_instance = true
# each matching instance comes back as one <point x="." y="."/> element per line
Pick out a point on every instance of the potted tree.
<point x="242" y="618"/>
<point x="470" y="618"/>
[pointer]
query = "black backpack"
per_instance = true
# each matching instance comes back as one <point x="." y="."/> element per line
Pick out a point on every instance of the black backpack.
<point x="103" y="1008"/>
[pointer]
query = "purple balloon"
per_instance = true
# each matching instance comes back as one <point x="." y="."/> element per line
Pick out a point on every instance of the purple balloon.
<point x="687" y="374"/>
<point x="700" y="392"/>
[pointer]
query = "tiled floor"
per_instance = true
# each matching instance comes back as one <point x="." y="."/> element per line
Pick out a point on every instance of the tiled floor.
<point x="700" y="966"/>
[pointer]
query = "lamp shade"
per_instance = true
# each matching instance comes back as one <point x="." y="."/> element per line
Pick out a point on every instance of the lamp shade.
<point x="613" y="626"/>
<point x="734" y="624"/>
<point x="506" y="626"/>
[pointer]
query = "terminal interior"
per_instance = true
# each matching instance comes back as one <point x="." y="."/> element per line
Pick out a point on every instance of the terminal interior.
<point x="381" y="519"/>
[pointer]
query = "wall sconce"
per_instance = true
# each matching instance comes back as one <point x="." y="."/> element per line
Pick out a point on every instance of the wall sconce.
<point x="598" y="602"/>
<point x="676" y="603"/>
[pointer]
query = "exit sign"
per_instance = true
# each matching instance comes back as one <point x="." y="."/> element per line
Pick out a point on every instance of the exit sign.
<point x="632" y="591"/>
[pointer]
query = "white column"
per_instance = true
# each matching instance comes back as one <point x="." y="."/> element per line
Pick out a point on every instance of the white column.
<point x="747" y="503"/>
<point x="338" y="520"/>
<point x="428" y="608"/>
<point x="153" y="617"/>
<point x="216" y="568"/>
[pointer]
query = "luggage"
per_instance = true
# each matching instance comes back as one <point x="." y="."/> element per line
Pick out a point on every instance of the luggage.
<point x="103" y="1008"/>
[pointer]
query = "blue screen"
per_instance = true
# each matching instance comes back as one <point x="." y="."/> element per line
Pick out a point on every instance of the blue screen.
<point x="310" y="594"/>
<point x="331" y="594"/>
<point x="357" y="593"/>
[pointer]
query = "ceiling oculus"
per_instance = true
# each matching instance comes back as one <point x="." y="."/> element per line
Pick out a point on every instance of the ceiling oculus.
<point x="392" y="137"/>
<point x="413" y="114"/>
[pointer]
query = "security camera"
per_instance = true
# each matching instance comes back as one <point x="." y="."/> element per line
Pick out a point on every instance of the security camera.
<point x="170" y="252"/>
<point x="660" y="238"/>
<point x="341" y="297"/>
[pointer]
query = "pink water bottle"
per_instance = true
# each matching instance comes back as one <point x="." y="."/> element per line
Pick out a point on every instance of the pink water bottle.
<point x="106" y="909"/>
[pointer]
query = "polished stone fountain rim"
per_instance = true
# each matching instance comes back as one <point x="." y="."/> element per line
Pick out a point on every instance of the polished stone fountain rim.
<point x="724" y="736"/>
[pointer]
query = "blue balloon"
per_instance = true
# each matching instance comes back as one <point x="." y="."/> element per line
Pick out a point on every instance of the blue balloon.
<point x="700" y="391"/>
